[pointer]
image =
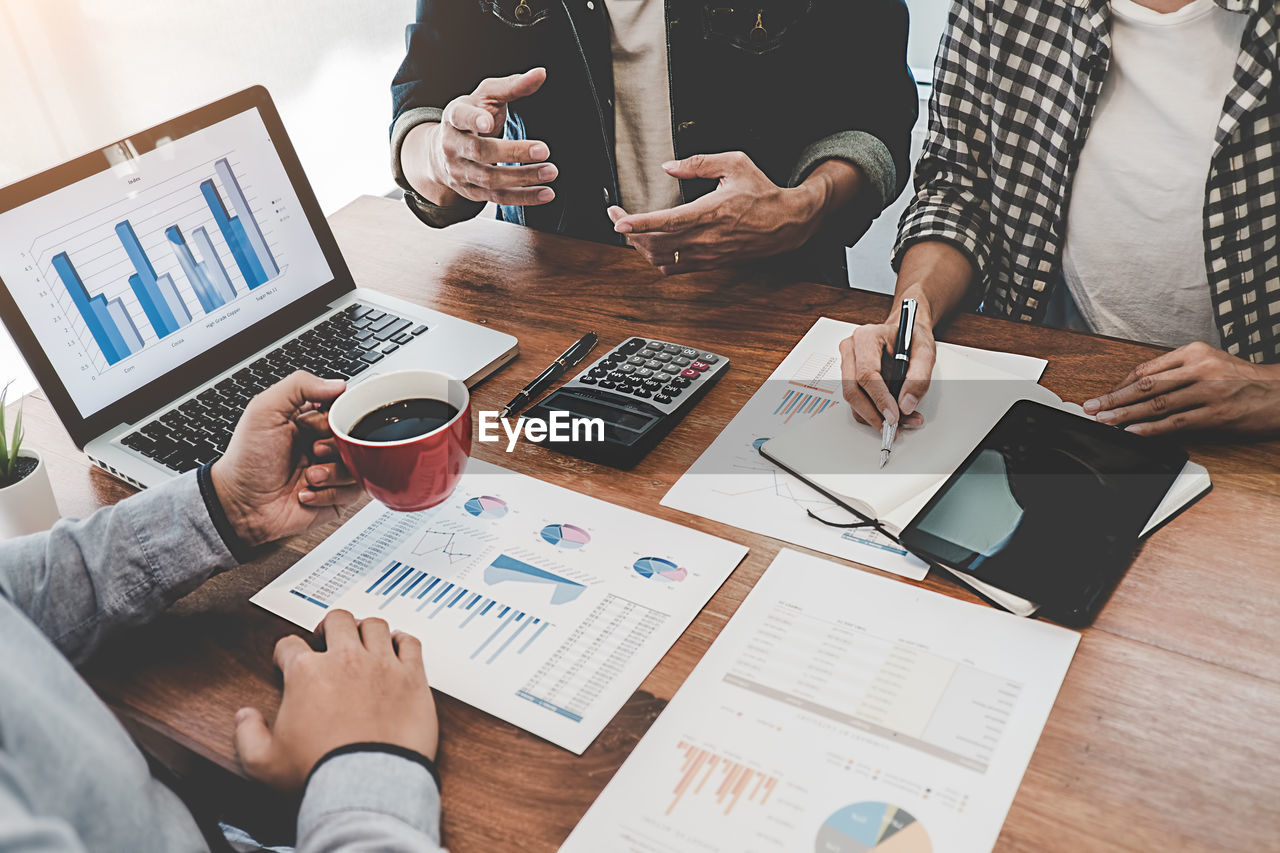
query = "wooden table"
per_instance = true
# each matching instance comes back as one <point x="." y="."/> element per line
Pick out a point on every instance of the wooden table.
<point x="1164" y="736"/>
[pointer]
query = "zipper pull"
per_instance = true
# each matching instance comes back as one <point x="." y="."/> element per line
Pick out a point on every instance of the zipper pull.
<point x="758" y="33"/>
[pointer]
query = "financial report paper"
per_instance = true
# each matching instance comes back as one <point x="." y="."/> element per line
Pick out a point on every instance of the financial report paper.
<point x="839" y="712"/>
<point x="539" y="605"/>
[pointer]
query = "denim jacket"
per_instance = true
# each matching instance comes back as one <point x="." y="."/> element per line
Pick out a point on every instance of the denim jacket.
<point x="71" y="779"/>
<point x="792" y="83"/>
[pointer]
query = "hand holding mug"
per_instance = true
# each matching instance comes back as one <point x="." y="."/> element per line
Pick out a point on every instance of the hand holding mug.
<point x="405" y="436"/>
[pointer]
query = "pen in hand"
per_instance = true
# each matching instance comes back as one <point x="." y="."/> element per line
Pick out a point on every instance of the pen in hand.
<point x="897" y="374"/>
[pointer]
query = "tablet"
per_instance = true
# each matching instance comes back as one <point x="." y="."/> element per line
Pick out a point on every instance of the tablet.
<point x="1049" y="506"/>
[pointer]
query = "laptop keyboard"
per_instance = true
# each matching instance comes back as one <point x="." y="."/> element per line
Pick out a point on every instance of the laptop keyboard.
<point x="346" y="344"/>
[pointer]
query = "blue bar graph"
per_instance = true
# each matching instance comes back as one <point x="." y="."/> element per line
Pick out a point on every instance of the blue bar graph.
<point x="503" y="628"/>
<point x="196" y="273"/>
<point x="242" y="233"/>
<point x="97" y="313"/>
<point x="798" y="402"/>
<point x="111" y="317"/>
<point x="257" y="243"/>
<point x="159" y="298"/>
<point x="124" y="325"/>
<point x="213" y="264"/>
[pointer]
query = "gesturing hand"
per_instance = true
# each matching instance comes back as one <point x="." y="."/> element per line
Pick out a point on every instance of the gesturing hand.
<point x="280" y="474"/>
<point x="465" y="151"/>
<point x="747" y="216"/>
<point x="1195" y="387"/>
<point x="367" y="686"/>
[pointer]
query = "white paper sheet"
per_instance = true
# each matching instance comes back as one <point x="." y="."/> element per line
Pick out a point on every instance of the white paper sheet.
<point x="839" y="712"/>
<point x="539" y="605"/>
<point x="731" y="483"/>
<point x="841" y="456"/>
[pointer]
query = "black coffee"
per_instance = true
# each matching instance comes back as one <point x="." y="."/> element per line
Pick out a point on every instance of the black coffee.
<point x="404" y="419"/>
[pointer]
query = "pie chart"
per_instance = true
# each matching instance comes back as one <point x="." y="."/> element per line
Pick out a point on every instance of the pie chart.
<point x="658" y="569"/>
<point x="486" y="506"/>
<point x="566" y="535"/>
<point x="871" y="826"/>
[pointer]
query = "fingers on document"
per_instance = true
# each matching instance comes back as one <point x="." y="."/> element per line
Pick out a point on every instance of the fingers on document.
<point x="864" y="386"/>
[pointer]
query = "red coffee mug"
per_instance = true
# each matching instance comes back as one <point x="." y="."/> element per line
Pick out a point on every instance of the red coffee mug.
<point x="414" y="473"/>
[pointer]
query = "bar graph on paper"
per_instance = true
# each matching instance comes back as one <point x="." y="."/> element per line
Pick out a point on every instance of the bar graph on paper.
<point x="190" y="246"/>
<point x="489" y="627"/>
<point x="811" y="390"/>
<point x="724" y="781"/>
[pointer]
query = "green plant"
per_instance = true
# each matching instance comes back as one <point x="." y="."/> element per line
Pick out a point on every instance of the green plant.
<point x="10" y="443"/>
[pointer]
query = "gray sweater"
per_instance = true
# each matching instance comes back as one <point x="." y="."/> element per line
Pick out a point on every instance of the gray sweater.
<point x="71" y="779"/>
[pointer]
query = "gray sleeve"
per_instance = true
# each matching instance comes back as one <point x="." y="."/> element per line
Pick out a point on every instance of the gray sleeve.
<point x="367" y="802"/>
<point x="22" y="830"/>
<point x="861" y="149"/>
<point x="435" y="215"/>
<point x="120" y="566"/>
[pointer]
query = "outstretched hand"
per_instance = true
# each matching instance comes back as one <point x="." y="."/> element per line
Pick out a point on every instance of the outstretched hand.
<point x="747" y="216"/>
<point x="467" y="155"/>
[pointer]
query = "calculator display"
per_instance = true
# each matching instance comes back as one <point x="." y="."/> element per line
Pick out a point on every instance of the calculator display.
<point x="609" y="414"/>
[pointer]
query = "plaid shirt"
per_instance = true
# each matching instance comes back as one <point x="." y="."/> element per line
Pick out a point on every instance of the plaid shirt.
<point x="1015" y="87"/>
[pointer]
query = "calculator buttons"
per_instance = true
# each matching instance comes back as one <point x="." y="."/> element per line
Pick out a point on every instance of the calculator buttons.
<point x="661" y="398"/>
<point x="671" y="349"/>
<point x="700" y="366"/>
<point x="709" y="357"/>
<point x="653" y="364"/>
<point x="643" y="393"/>
<point x="689" y="353"/>
<point x="671" y="368"/>
<point x="682" y="361"/>
<point x="663" y="357"/>
<point x="643" y="372"/>
<point x="605" y="383"/>
<point x="682" y="382"/>
<point x="632" y="345"/>
<point x="636" y="360"/>
<point x="672" y="391"/>
<point x="690" y="373"/>
<point x="626" y="368"/>
<point x="588" y="379"/>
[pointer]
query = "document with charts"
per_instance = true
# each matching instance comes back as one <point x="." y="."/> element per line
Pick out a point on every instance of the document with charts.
<point x="539" y="605"/>
<point x="839" y="712"/>
<point x="733" y="484"/>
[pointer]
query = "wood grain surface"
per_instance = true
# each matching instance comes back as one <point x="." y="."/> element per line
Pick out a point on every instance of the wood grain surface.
<point x="1164" y="736"/>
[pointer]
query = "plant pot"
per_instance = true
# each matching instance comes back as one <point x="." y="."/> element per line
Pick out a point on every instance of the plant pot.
<point x="27" y="506"/>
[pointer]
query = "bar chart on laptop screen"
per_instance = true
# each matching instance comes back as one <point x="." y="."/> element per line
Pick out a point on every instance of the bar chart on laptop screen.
<point x="161" y="255"/>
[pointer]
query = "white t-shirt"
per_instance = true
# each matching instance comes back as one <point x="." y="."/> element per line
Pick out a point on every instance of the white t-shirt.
<point x="1134" y="254"/>
<point x="642" y="115"/>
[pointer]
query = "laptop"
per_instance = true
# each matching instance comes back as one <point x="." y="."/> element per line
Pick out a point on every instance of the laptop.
<point x="156" y="285"/>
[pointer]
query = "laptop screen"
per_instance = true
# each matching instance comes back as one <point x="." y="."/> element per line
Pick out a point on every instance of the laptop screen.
<point x="134" y="270"/>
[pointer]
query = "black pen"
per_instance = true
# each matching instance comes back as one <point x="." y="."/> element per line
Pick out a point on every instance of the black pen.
<point x="898" y="372"/>
<point x="571" y="357"/>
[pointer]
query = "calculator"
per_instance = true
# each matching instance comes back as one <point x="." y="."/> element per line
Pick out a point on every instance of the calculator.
<point x="640" y="389"/>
